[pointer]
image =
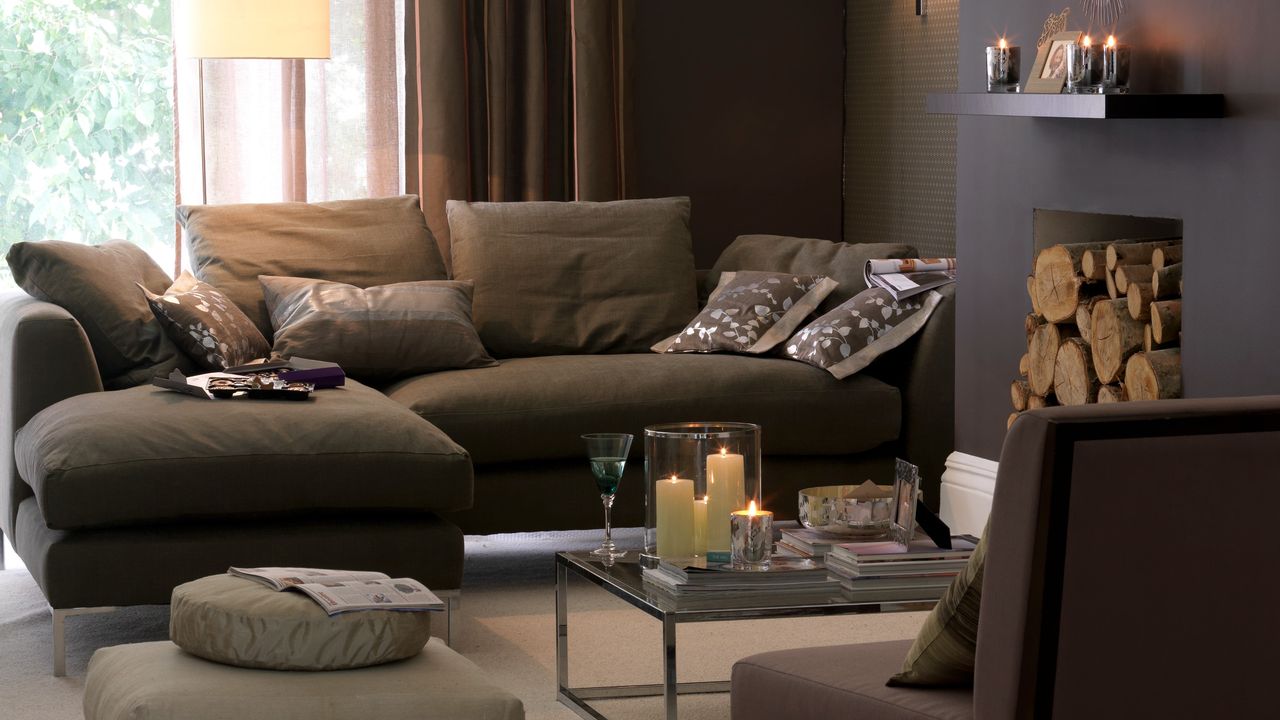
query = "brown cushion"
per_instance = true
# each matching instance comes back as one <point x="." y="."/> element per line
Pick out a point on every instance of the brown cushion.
<point x="750" y="312"/>
<point x="943" y="653"/>
<point x="837" y="681"/>
<point x="536" y="408"/>
<point x="370" y="242"/>
<point x="581" y="277"/>
<point x="245" y="623"/>
<point x="842" y="262"/>
<point x="851" y="336"/>
<point x="378" y="333"/>
<point x="98" y="285"/>
<point x="147" y="454"/>
<point x="208" y="327"/>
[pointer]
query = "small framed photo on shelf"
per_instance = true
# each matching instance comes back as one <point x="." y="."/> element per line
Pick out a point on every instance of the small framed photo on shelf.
<point x="1049" y="74"/>
<point x="906" y="491"/>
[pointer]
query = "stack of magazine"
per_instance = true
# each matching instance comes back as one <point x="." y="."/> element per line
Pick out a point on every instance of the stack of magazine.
<point x="339" y="591"/>
<point x="909" y="276"/>
<point x="695" y="583"/>
<point x="889" y="571"/>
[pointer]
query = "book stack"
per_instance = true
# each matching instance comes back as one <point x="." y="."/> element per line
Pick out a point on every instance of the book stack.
<point x="698" y="583"/>
<point x="809" y="543"/>
<point x="888" y="571"/>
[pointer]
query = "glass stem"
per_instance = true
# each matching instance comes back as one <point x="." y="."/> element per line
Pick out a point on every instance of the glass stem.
<point x="608" y="510"/>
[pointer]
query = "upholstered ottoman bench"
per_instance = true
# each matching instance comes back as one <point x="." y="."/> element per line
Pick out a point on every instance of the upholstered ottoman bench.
<point x="158" y="681"/>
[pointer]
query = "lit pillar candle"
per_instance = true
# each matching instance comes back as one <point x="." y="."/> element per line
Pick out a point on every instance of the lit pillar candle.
<point x="1115" y="67"/>
<point x="1003" y="67"/>
<point x="700" y="527"/>
<point x="752" y="538"/>
<point x="675" y="518"/>
<point x="726" y="492"/>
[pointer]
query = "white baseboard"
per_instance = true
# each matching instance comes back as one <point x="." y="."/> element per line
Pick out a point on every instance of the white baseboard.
<point x="968" y="485"/>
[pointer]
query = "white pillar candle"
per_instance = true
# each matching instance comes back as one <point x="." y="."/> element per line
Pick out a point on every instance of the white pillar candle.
<point x="700" y="527"/>
<point x="726" y="492"/>
<point x="675" y="518"/>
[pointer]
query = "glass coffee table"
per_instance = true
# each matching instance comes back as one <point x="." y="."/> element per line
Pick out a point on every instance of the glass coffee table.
<point x="622" y="578"/>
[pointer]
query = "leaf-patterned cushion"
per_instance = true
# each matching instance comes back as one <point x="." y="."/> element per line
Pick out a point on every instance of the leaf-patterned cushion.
<point x="864" y="327"/>
<point x="206" y="325"/>
<point x="750" y="312"/>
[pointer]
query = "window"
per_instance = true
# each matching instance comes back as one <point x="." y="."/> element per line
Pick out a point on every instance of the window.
<point x="86" y="123"/>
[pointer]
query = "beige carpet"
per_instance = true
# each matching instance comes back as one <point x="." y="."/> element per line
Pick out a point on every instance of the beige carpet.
<point x="507" y="628"/>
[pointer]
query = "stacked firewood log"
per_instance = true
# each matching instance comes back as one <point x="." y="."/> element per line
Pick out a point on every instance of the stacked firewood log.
<point x="1105" y="325"/>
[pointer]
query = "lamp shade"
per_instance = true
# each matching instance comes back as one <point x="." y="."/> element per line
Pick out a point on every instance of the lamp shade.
<point x="251" y="28"/>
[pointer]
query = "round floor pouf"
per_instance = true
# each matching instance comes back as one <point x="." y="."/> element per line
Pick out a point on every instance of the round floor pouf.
<point x="244" y="623"/>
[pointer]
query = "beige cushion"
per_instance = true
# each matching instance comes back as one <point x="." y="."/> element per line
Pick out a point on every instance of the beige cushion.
<point x="851" y="336"/>
<point x="581" y="277"/>
<point x="158" y="681"/>
<point x="842" y="262"/>
<point x="751" y="312"/>
<point x="244" y="623"/>
<point x="98" y="285"/>
<point x="208" y="327"/>
<point x="377" y="333"/>
<point x="944" y="650"/>
<point x="361" y="242"/>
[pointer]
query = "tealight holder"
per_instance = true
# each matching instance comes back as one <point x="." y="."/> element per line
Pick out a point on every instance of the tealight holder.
<point x="1084" y="68"/>
<point x="1003" y="68"/>
<point x="1115" y="68"/>
<point x="751" y="538"/>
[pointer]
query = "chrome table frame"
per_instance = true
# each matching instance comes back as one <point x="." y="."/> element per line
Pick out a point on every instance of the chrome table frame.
<point x="587" y="567"/>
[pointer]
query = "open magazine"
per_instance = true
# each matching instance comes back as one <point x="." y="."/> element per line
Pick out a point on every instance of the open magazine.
<point x="909" y="276"/>
<point x="339" y="591"/>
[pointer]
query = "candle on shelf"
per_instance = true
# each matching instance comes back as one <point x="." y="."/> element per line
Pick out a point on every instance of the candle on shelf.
<point x="700" y="526"/>
<point x="1084" y="67"/>
<point x="1003" y="67"/>
<point x="752" y="538"/>
<point x="726" y="492"/>
<point x="675" y="517"/>
<point x="1115" y="67"/>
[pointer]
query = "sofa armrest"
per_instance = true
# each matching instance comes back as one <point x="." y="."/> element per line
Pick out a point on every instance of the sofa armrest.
<point x="924" y="369"/>
<point x="44" y="357"/>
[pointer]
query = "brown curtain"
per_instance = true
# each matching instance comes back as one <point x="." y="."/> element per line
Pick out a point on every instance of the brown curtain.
<point x="510" y="100"/>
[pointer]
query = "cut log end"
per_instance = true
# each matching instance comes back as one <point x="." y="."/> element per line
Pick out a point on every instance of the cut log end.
<point x="1019" y="391"/>
<point x="1112" y="393"/>
<point x="1115" y="337"/>
<point x="1140" y="297"/>
<point x="1166" y="321"/>
<point x="1155" y="375"/>
<point x="1074" y="381"/>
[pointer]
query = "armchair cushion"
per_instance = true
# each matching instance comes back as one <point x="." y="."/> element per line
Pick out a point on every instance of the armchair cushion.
<point x="149" y="455"/>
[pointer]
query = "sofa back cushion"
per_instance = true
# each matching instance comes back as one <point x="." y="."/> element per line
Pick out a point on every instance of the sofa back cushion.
<point x="557" y="278"/>
<point x="842" y="262"/>
<point x="98" y="285"/>
<point x="377" y="241"/>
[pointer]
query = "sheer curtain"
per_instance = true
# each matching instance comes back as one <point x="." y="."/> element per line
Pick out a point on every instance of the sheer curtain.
<point x="293" y="130"/>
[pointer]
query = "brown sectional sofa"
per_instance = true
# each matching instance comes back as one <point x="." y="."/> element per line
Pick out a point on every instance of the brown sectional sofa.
<point x="115" y="497"/>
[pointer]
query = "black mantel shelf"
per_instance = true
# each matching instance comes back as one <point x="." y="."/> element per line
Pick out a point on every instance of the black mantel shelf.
<point x="1100" y="107"/>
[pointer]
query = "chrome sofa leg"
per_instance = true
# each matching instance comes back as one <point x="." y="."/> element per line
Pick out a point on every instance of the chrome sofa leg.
<point x="452" y="602"/>
<point x="3" y="542"/>
<point x="60" y="634"/>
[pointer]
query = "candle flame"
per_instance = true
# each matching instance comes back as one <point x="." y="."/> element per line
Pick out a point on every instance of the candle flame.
<point x="675" y="478"/>
<point x="1111" y="41"/>
<point x="1088" y="41"/>
<point x="1004" y="44"/>
<point x="724" y="452"/>
<point x="751" y="508"/>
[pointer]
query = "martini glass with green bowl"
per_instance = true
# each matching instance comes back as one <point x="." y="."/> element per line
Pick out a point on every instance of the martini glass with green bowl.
<point x="608" y="455"/>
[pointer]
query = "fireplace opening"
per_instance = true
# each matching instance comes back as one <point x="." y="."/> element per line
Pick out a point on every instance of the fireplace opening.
<point x="1106" y="311"/>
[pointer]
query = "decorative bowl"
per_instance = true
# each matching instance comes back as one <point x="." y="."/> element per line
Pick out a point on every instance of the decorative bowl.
<point x="864" y="510"/>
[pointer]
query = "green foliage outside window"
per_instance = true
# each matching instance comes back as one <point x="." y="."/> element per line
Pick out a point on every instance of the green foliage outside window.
<point x="86" y="122"/>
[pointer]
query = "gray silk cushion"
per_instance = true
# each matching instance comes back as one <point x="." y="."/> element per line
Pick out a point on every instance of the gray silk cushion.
<point x="241" y="622"/>
<point x="377" y="241"/>
<point x="580" y="277"/>
<point x="751" y="312"/>
<point x="846" y="339"/>
<point x="842" y="262"/>
<point x="208" y="327"/>
<point x="376" y="333"/>
<point x="157" y="681"/>
<point x="98" y="285"/>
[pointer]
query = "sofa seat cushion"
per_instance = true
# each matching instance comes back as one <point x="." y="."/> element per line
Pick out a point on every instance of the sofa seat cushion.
<point x="146" y="455"/>
<point x="157" y="681"/>
<point x="535" y="408"/>
<point x="840" y="681"/>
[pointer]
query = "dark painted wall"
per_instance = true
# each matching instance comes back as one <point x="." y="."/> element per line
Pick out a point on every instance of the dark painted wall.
<point x="739" y="104"/>
<point x="1222" y="177"/>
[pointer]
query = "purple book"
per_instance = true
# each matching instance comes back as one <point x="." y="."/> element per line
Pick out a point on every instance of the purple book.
<point x="320" y="373"/>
